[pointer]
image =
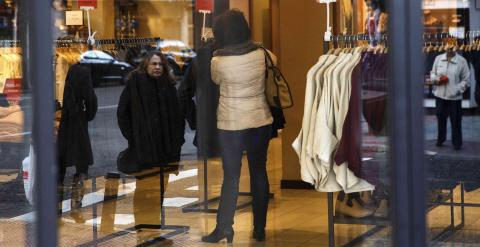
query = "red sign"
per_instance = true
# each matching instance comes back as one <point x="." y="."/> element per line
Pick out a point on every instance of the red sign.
<point x="13" y="90"/>
<point x="204" y="5"/>
<point x="87" y="4"/>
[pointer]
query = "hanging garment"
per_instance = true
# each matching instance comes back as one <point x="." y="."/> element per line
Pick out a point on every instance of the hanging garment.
<point x="199" y="95"/>
<point x="374" y="86"/>
<point x="61" y="69"/>
<point x="308" y="173"/>
<point x="318" y="80"/>
<point x="348" y="180"/>
<point x="326" y="118"/>
<point x="349" y="149"/>
<point x="10" y="66"/>
<point x="311" y="159"/>
<point x="324" y="140"/>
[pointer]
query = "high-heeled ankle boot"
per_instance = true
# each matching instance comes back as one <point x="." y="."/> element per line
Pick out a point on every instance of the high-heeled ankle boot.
<point x="217" y="235"/>
<point x="78" y="190"/>
<point x="259" y="234"/>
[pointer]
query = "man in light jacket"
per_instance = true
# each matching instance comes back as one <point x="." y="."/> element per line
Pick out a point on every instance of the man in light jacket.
<point x="451" y="76"/>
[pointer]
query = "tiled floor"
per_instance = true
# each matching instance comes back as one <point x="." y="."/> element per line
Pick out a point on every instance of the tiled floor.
<point x="295" y="217"/>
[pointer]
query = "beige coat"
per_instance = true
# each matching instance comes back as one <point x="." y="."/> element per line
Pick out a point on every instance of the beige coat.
<point x="242" y="103"/>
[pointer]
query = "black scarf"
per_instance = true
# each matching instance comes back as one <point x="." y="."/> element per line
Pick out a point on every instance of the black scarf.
<point x="237" y="49"/>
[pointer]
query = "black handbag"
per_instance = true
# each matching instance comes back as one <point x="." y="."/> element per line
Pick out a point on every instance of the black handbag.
<point x="127" y="161"/>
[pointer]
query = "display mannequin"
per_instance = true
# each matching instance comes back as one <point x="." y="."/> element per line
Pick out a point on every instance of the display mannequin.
<point x="376" y="22"/>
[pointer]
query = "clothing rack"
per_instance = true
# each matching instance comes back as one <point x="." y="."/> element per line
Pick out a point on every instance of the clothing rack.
<point x="350" y="40"/>
<point x="381" y="223"/>
<point x="9" y="43"/>
<point x="71" y="42"/>
<point x="456" y="35"/>
<point x="127" y="41"/>
<point x="332" y="220"/>
<point x="116" y="42"/>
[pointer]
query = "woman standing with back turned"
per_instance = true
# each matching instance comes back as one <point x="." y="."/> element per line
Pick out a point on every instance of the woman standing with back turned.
<point x="243" y="119"/>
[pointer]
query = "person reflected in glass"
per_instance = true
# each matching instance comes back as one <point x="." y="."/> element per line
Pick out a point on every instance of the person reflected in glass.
<point x="73" y="140"/>
<point x="244" y="121"/>
<point x="149" y="118"/>
<point x="376" y="22"/>
<point x="451" y="77"/>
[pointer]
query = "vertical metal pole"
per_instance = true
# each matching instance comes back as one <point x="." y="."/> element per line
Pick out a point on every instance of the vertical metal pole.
<point x="94" y="211"/>
<point x="162" y="192"/>
<point x="452" y="211"/>
<point x="331" y="224"/>
<point x="205" y="181"/>
<point x="40" y="64"/>
<point x="406" y="113"/>
<point x="462" y="198"/>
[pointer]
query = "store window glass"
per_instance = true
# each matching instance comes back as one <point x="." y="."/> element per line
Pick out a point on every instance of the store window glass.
<point x="16" y="174"/>
<point x="451" y="122"/>
<point x="344" y="140"/>
<point x="126" y="154"/>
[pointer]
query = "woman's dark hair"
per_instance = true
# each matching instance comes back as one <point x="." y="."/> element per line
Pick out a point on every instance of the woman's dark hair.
<point x="377" y="4"/>
<point x="142" y="67"/>
<point x="231" y="28"/>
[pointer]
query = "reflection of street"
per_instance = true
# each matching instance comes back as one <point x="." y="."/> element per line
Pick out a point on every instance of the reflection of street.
<point x="106" y="140"/>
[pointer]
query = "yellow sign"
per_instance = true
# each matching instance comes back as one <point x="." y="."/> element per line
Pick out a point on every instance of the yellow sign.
<point x="74" y="18"/>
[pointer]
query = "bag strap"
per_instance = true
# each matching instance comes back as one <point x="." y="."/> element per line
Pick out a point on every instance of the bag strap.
<point x="268" y="60"/>
<point x="267" y="56"/>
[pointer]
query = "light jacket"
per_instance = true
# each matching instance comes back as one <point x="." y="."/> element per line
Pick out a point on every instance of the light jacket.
<point x="458" y="75"/>
<point x="241" y="79"/>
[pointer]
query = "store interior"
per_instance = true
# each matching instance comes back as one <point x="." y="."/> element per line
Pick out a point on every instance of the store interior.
<point x="176" y="206"/>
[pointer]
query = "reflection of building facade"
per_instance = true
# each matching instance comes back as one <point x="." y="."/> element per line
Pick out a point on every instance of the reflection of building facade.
<point x="446" y="16"/>
<point x="135" y="19"/>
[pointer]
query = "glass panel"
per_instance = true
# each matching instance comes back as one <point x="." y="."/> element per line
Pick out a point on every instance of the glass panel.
<point x="362" y="208"/>
<point x="451" y="122"/>
<point x="110" y="194"/>
<point x="16" y="178"/>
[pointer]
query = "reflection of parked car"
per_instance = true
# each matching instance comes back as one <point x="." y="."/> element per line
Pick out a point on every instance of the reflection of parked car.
<point x="104" y="67"/>
<point x="177" y="52"/>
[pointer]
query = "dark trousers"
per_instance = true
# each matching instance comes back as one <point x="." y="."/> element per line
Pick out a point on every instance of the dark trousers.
<point x="255" y="141"/>
<point x="452" y="109"/>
